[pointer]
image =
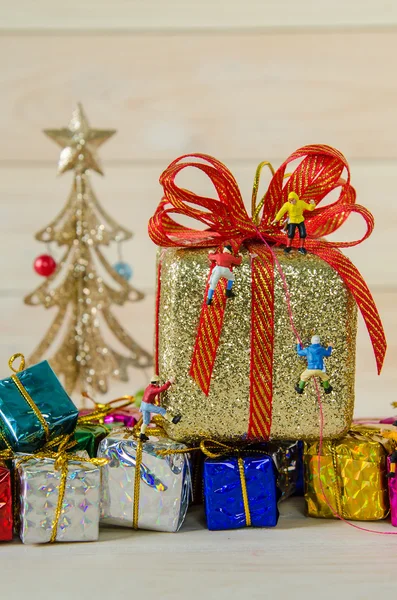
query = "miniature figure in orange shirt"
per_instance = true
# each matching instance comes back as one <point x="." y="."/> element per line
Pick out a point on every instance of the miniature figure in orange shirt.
<point x="224" y="263"/>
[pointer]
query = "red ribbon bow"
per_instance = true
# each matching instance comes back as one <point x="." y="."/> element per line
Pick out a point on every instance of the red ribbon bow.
<point x="226" y="220"/>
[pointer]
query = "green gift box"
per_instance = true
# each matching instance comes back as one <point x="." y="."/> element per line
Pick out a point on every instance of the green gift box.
<point x="34" y="407"/>
<point x="88" y="436"/>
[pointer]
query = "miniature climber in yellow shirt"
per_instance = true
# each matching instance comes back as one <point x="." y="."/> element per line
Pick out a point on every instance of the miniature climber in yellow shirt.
<point x="391" y="435"/>
<point x="295" y="208"/>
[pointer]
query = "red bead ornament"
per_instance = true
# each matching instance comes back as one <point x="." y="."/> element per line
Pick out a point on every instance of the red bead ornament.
<point x="44" y="265"/>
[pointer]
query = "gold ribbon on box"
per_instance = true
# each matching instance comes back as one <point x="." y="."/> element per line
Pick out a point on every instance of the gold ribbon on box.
<point x="345" y="468"/>
<point x="61" y="460"/>
<point x="156" y="431"/>
<point x="210" y="448"/>
<point x="24" y="392"/>
<point x="214" y="449"/>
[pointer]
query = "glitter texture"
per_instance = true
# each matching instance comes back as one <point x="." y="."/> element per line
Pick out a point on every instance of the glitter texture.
<point x="39" y="483"/>
<point x="353" y="475"/>
<point x="165" y="487"/>
<point x="320" y="302"/>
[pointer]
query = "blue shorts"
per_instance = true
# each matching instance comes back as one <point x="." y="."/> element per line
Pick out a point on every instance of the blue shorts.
<point x="148" y="409"/>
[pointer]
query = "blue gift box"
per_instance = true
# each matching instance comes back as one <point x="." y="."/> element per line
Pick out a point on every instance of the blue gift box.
<point x="224" y="492"/>
<point x="19" y="422"/>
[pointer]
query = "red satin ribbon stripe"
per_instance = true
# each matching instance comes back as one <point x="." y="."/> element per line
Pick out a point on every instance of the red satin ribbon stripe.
<point x="262" y="342"/>
<point x="318" y="173"/>
<point x="207" y="340"/>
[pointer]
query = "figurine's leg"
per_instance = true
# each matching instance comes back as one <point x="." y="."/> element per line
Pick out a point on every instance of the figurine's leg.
<point x="145" y="422"/>
<point x="291" y="235"/>
<point x="160" y="410"/>
<point x="302" y="235"/>
<point x="393" y="460"/>
<point x="325" y="381"/>
<point x="304" y="378"/>
<point x="229" y="293"/>
<point x="215" y="276"/>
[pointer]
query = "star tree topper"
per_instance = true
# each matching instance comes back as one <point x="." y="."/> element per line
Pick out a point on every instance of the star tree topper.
<point x="79" y="143"/>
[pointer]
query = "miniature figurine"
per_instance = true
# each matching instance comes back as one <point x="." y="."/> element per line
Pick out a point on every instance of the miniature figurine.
<point x="315" y="354"/>
<point x="148" y="406"/>
<point x="295" y="208"/>
<point x="391" y="435"/>
<point x="224" y="263"/>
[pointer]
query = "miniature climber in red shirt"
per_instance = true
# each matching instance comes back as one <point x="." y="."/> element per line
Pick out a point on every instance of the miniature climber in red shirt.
<point x="148" y="406"/>
<point x="224" y="263"/>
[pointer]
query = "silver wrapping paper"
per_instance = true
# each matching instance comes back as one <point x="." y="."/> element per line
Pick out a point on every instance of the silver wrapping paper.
<point x="39" y="491"/>
<point x="165" y="485"/>
<point x="286" y="456"/>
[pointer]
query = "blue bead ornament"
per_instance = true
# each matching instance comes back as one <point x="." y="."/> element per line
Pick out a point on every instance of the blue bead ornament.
<point x="123" y="269"/>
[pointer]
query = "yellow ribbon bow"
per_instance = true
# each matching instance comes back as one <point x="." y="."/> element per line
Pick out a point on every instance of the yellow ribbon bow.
<point x="103" y="410"/>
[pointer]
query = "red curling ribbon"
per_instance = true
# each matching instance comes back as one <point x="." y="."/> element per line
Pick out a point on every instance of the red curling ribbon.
<point x="225" y="219"/>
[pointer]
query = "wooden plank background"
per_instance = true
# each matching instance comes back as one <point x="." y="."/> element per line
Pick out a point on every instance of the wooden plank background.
<point x="239" y="96"/>
<point x="206" y="14"/>
<point x="244" y="81"/>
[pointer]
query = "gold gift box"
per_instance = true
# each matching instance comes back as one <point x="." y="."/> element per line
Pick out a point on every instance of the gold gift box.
<point x="321" y="303"/>
<point x="353" y="475"/>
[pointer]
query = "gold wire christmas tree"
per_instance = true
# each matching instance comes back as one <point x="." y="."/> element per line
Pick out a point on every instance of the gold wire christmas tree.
<point x="83" y="297"/>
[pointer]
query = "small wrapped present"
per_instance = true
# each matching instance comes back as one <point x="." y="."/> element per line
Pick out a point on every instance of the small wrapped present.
<point x="122" y="418"/>
<point x="240" y="491"/>
<point x="59" y="497"/>
<point x="118" y="412"/>
<point x="88" y="436"/>
<point x="287" y="458"/>
<point x="353" y="476"/>
<point x="155" y="496"/>
<point x="34" y="407"/>
<point x="6" y="517"/>
<point x="234" y="358"/>
<point x="197" y="464"/>
<point x="392" y="496"/>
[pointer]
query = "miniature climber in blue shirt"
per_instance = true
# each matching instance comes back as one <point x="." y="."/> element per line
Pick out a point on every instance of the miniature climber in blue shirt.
<point x="315" y="354"/>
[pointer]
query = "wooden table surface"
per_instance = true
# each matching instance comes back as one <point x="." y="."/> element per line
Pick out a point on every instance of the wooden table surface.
<point x="300" y="558"/>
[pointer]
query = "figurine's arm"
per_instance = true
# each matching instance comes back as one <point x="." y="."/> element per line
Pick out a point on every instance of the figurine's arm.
<point x="328" y="351"/>
<point x="213" y="256"/>
<point x="281" y="212"/>
<point x="164" y="387"/>
<point x="237" y="260"/>
<point x="311" y="206"/>
<point x="300" y="350"/>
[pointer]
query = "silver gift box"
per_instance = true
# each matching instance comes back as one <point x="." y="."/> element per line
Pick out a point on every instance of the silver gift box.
<point x="165" y="483"/>
<point x="39" y="492"/>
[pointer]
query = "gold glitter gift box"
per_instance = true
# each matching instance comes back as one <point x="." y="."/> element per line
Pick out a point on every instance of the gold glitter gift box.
<point x="224" y="414"/>
<point x="235" y="362"/>
<point x="353" y="476"/>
